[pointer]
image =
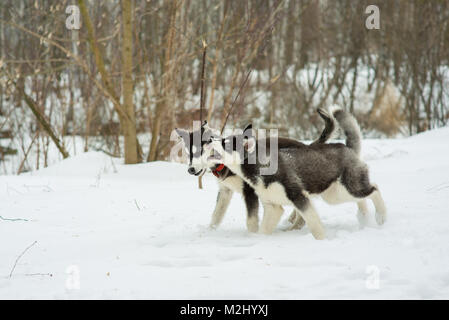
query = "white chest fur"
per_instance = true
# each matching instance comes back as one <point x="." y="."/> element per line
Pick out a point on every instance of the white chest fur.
<point x="235" y="183"/>
<point x="274" y="193"/>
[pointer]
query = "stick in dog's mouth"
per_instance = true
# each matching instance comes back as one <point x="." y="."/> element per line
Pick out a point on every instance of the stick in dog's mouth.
<point x="199" y="172"/>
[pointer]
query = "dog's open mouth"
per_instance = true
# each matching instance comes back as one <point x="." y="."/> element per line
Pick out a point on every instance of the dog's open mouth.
<point x="199" y="172"/>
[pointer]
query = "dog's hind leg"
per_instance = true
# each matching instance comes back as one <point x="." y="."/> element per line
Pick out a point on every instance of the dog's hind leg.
<point x="223" y="200"/>
<point x="252" y="208"/>
<point x="356" y="181"/>
<point x="309" y="214"/>
<point x="381" y="210"/>
<point x="271" y="216"/>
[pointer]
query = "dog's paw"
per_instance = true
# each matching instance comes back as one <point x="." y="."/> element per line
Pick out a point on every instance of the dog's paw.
<point x="212" y="227"/>
<point x="294" y="222"/>
<point x="266" y="230"/>
<point x="319" y="235"/>
<point x="380" y="218"/>
<point x="252" y="224"/>
<point x="285" y="226"/>
<point x="253" y="228"/>
<point x="299" y="223"/>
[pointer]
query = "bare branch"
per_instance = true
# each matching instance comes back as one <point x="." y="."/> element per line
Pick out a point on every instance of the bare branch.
<point x="20" y="256"/>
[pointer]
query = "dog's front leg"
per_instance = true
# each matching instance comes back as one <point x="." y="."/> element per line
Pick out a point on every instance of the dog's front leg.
<point x="252" y="208"/>
<point x="310" y="216"/>
<point x="223" y="200"/>
<point x="271" y="216"/>
<point x="362" y="212"/>
<point x="305" y="207"/>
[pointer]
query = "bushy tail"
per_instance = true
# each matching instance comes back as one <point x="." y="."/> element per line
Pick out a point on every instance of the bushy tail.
<point x="350" y="127"/>
<point x="329" y="127"/>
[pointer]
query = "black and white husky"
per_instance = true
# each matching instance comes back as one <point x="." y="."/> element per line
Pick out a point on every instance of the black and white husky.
<point x="229" y="182"/>
<point x="333" y="171"/>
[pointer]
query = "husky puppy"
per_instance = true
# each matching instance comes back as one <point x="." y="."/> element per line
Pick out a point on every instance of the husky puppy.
<point x="229" y="182"/>
<point x="332" y="171"/>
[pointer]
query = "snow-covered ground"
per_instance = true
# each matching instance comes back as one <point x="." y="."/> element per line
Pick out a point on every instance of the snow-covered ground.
<point x="105" y="230"/>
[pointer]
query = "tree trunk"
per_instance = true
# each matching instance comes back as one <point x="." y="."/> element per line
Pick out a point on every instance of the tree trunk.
<point x="167" y="83"/>
<point x="126" y="115"/>
<point x="129" y="122"/>
<point x="44" y="123"/>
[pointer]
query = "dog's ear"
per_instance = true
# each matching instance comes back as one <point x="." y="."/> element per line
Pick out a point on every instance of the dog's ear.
<point x="184" y="135"/>
<point x="248" y="131"/>
<point x="181" y="132"/>
<point x="209" y="132"/>
<point x="205" y="126"/>
<point x="249" y="144"/>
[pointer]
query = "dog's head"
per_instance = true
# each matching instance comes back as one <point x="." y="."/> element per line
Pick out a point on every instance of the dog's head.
<point x="232" y="150"/>
<point x="194" y="142"/>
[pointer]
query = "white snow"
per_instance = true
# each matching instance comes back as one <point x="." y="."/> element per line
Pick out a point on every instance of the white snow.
<point x="140" y="231"/>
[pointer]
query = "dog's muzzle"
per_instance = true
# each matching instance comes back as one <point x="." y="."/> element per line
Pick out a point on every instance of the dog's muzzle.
<point x="192" y="171"/>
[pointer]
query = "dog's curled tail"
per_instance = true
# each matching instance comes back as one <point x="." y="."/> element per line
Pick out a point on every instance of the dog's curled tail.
<point x="350" y="127"/>
<point x="329" y="127"/>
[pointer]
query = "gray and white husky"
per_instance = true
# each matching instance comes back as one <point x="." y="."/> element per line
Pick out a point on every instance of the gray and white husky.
<point x="229" y="182"/>
<point x="333" y="171"/>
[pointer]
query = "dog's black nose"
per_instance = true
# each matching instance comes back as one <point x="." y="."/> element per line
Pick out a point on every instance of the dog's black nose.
<point x="191" y="170"/>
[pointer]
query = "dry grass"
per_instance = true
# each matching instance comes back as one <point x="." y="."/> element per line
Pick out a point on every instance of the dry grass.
<point x="387" y="114"/>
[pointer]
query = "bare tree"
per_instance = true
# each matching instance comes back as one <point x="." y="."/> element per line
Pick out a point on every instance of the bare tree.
<point x="129" y="122"/>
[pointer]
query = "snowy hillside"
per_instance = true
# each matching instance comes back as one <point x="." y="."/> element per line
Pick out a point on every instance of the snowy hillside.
<point x="105" y="230"/>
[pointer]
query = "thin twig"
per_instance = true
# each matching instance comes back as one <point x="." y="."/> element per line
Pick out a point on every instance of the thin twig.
<point x="20" y="256"/>
<point x="38" y="274"/>
<point x="202" y="81"/>
<point x="135" y="201"/>
<point x="9" y="219"/>
<point x="13" y="189"/>
<point x="236" y="97"/>
<point x="46" y="187"/>
<point x="202" y="99"/>
<point x="200" y="180"/>
<point x="26" y="153"/>
<point x="112" y="155"/>
<point x="437" y="186"/>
